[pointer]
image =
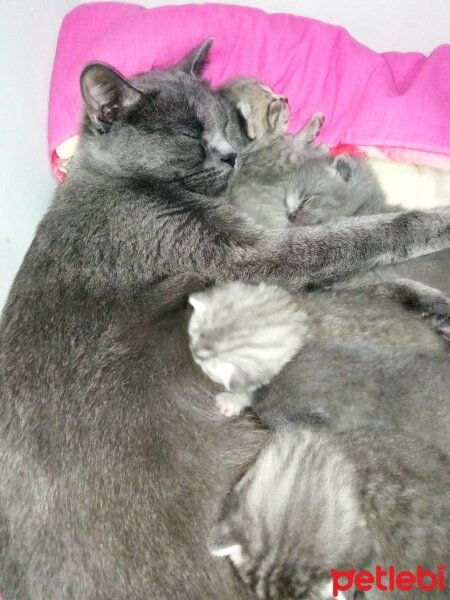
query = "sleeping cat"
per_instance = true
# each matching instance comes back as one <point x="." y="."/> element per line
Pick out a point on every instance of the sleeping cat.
<point x="239" y="354"/>
<point x="327" y="187"/>
<point x="260" y="188"/>
<point x="309" y="186"/>
<point x="297" y="183"/>
<point x="112" y="456"/>
<point x="244" y="335"/>
<point x="314" y="501"/>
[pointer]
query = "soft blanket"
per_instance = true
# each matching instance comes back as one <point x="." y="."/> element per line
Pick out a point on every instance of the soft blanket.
<point x="391" y="104"/>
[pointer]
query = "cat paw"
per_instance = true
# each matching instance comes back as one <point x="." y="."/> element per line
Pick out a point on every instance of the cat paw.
<point x="230" y="404"/>
<point x="318" y="120"/>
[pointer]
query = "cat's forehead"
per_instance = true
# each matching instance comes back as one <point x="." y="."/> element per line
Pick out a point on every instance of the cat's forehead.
<point x="178" y="90"/>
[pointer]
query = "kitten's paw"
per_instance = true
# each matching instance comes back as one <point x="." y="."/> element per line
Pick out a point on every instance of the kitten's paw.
<point x="315" y="126"/>
<point x="230" y="404"/>
<point x="318" y="120"/>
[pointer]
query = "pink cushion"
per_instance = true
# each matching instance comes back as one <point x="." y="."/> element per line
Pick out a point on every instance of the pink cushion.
<point x="391" y="100"/>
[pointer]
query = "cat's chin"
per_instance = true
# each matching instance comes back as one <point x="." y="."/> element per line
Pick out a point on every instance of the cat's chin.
<point x="215" y="184"/>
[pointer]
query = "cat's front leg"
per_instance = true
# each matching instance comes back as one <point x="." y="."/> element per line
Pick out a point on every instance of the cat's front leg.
<point x="322" y="254"/>
<point x="412" y="294"/>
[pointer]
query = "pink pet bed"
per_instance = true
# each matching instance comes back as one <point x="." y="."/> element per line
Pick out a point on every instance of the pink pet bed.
<point x="391" y="104"/>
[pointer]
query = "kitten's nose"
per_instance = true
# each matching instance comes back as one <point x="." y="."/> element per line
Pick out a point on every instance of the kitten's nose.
<point x="295" y="219"/>
<point x="230" y="159"/>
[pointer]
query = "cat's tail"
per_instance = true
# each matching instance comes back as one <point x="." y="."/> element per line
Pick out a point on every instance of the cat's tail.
<point x="242" y="335"/>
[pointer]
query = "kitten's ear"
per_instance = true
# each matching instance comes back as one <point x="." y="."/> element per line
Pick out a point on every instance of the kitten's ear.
<point x="195" y="62"/>
<point x="222" y="541"/>
<point x="198" y="303"/>
<point x="106" y="94"/>
<point x="245" y="110"/>
<point x="275" y="113"/>
<point x="344" y="168"/>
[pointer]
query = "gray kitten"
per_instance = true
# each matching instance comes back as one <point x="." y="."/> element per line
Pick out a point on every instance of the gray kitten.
<point x="294" y="182"/>
<point x="244" y="335"/>
<point x="326" y="187"/>
<point x="112" y="455"/>
<point x="314" y="501"/>
<point x="271" y="157"/>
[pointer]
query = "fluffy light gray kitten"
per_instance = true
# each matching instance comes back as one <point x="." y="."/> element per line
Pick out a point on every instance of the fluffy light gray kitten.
<point x="244" y="349"/>
<point x="314" y="500"/>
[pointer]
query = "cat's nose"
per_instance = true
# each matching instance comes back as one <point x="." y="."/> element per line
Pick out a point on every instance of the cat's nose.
<point x="229" y="158"/>
<point x="295" y="219"/>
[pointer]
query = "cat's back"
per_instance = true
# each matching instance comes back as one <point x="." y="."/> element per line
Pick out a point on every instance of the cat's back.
<point x="115" y="454"/>
<point x="353" y="313"/>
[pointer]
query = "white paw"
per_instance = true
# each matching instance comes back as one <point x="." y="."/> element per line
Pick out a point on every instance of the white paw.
<point x="227" y="405"/>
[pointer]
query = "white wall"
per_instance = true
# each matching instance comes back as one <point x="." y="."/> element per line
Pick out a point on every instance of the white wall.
<point x="28" y="33"/>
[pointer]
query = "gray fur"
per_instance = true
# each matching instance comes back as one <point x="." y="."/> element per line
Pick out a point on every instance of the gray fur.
<point x="338" y="375"/>
<point x="325" y="188"/>
<point x="242" y="336"/>
<point x="112" y="457"/>
<point x="314" y="501"/>
<point x="271" y="158"/>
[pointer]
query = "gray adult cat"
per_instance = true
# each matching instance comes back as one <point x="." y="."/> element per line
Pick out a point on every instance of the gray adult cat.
<point x="314" y="501"/>
<point x="111" y="453"/>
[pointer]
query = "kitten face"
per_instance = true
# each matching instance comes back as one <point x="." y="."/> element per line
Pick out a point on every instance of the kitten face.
<point x="262" y="110"/>
<point x="242" y="335"/>
<point x="165" y="126"/>
<point x="292" y="517"/>
<point x="321" y="190"/>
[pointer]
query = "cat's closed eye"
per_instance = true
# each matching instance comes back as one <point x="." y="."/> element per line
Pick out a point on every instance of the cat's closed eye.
<point x="191" y="133"/>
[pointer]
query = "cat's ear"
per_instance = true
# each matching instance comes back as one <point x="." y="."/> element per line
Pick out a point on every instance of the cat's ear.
<point x="222" y="541"/>
<point x="195" y="62"/>
<point x="106" y="94"/>
<point x="276" y="113"/>
<point x="198" y="303"/>
<point x="250" y="125"/>
<point x="344" y="168"/>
